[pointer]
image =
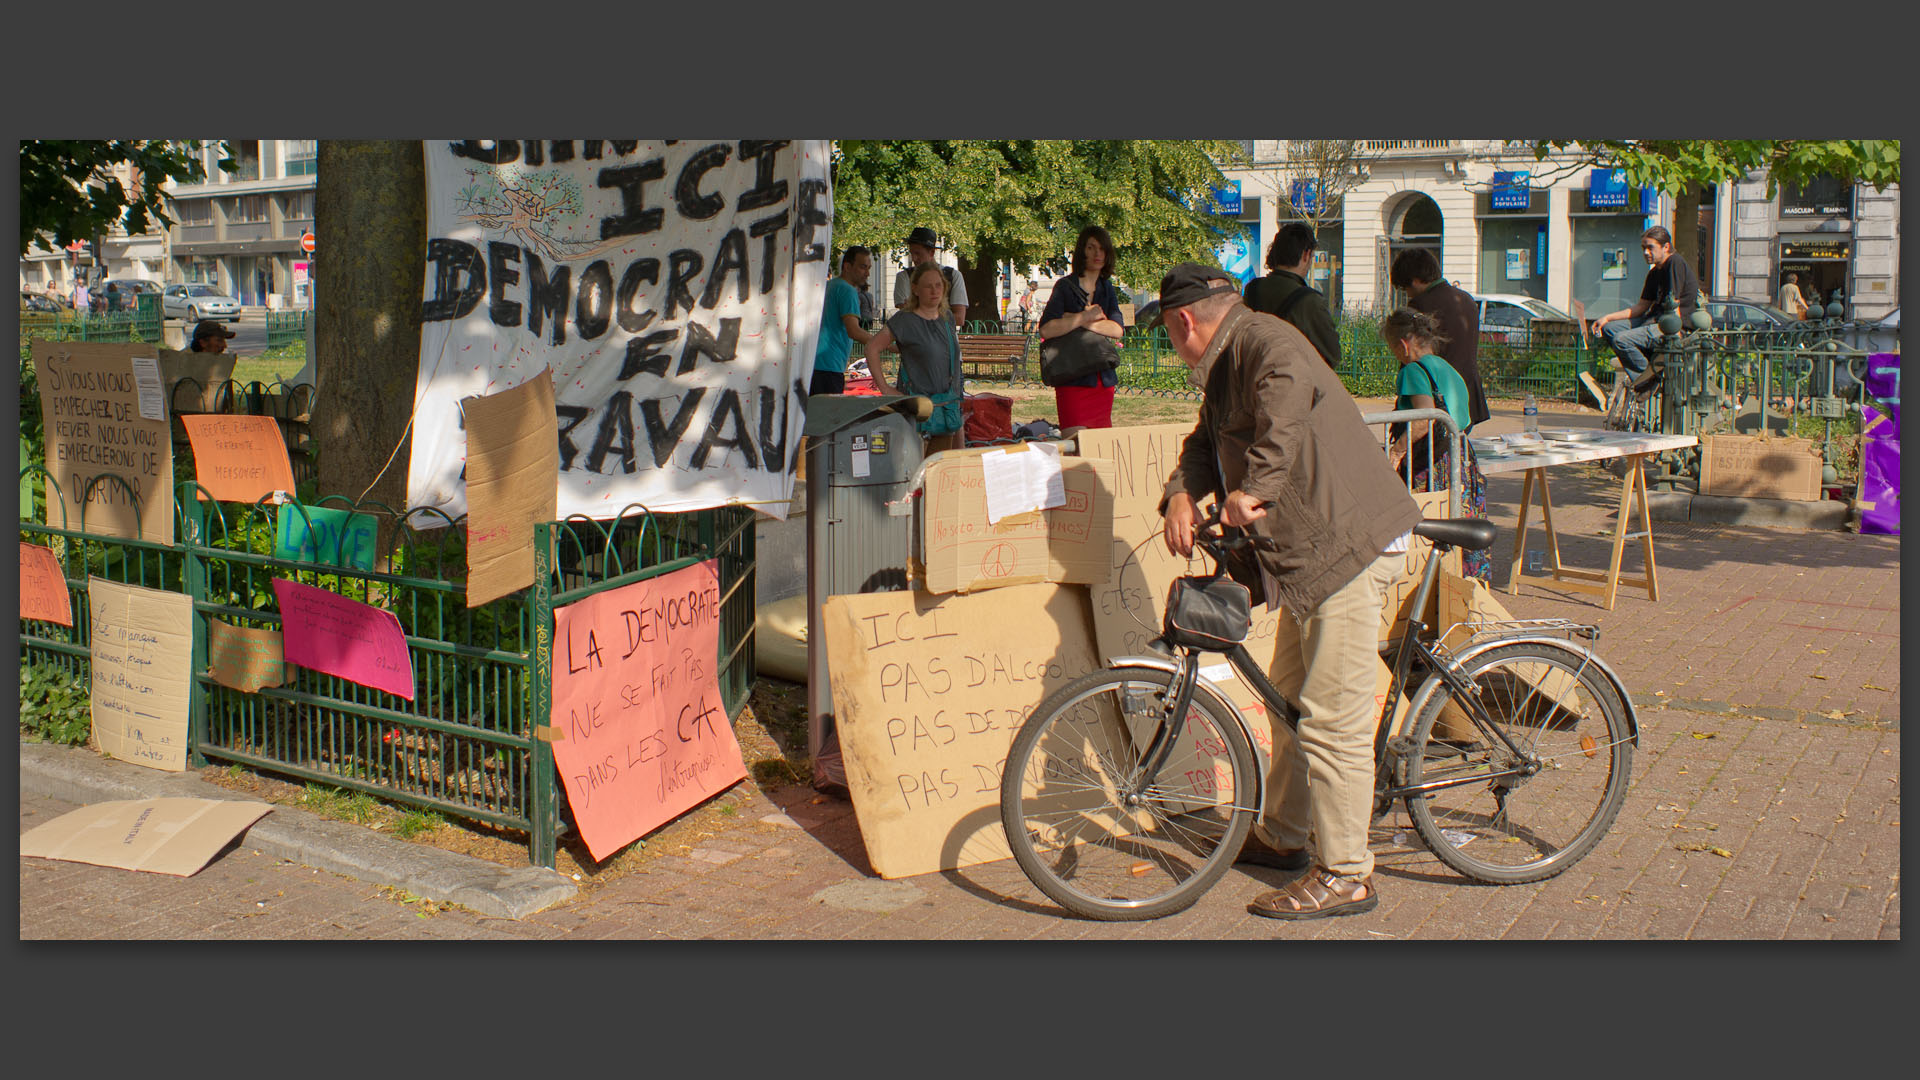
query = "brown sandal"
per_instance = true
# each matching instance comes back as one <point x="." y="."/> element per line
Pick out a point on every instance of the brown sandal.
<point x="1318" y="895"/>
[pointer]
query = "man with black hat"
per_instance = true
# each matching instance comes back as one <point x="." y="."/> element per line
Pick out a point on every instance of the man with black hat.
<point x="1280" y="443"/>
<point x="920" y="244"/>
<point x="209" y="335"/>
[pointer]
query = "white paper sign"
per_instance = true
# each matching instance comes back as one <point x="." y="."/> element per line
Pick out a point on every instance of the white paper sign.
<point x="146" y="380"/>
<point x="673" y="287"/>
<point x="1016" y="483"/>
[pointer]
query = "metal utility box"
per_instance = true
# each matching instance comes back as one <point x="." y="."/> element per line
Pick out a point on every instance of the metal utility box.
<point x="862" y="454"/>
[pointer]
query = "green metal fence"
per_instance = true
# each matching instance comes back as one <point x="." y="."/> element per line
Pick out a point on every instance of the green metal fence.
<point x="286" y="327"/>
<point x="67" y="326"/>
<point x="464" y="746"/>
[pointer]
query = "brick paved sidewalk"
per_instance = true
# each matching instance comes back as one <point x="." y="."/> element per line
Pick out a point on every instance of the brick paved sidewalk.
<point x="1808" y="815"/>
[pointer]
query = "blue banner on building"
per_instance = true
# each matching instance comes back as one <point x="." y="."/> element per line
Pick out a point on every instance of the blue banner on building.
<point x="1226" y="200"/>
<point x="1540" y="250"/>
<point x="1510" y="191"/>
<point x="1236" y="254"/>
<point x="1607" y="188"/>
<point x="1305" y="196"/>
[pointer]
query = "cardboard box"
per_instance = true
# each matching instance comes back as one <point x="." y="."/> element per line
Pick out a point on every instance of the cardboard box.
<point x="1398" y="602"/>
<point x="961" y="552"/>
<point x="1760" y="468"/>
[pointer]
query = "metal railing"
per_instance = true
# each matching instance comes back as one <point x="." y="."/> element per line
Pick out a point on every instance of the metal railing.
<point x="286" y="327"/>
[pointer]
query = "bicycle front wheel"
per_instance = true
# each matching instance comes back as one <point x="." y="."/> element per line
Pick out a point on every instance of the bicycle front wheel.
<point x="1094" y="833"/>
<point x="1527" y="784"/>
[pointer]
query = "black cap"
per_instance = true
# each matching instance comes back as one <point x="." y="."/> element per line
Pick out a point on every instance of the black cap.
<point x="1187" y="283"/>
<point x="924" y="237"/>
<point x="207" y="328"/>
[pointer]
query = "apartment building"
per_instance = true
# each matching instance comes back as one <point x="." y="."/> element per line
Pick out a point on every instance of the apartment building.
<point x="241" y="230"/>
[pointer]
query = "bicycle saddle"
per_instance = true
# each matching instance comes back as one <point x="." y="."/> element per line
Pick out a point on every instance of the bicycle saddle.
<point x="1471" y="534"/>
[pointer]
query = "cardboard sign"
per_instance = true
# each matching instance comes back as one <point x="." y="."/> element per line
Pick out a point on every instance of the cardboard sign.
<point x="636" y="699"/>
<point x="513" y="466"/>
<point x="159" y="836"/>
<point x="244" y="657"/>
<point x="358" y="642"/>
<point x="43" y="586"/>
<point x="142" y="672"/>
<point x="90" y="401"/>
<point x="960" y="551"/>
<point x="1465" y="601"/>
<point x="1757" y="468"/>
<point x="1398" y="606"/>
<point x="927" y="694"/>
<point x="239" y="458"/>
<point x="673" y="287"/>
<point x="193" y="379"/>
<point x="325" y="534"/>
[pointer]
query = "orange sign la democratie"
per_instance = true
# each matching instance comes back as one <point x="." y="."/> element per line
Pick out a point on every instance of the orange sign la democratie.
<point x="642" y="735"/>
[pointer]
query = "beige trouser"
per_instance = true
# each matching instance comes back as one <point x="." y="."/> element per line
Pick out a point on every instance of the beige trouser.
<point x="1323" y="780"/>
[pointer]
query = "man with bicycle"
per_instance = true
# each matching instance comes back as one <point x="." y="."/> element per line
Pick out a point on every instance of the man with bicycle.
<point x="1277" y="429"/>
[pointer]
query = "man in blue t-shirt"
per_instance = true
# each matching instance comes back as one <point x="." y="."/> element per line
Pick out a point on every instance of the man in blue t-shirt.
<point x="840" y="323"/>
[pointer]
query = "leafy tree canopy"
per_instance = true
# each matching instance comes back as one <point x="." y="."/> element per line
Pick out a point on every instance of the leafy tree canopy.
<point x="69" y="192"/>
<point x="1677" y="165"/>
<point x="1025" y="200"/>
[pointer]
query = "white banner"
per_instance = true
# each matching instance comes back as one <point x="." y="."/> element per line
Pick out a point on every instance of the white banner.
<point x="673" y="287"/>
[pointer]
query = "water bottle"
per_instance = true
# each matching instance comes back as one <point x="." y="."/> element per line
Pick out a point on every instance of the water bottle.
<point x="1532" y="411"/>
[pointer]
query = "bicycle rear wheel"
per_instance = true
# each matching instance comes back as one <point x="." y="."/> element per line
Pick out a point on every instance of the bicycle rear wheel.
<point x="1570" y="744"/>
<point x="1085" y="829"/>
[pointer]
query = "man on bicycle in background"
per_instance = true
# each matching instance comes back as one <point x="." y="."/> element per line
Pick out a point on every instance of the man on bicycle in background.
<point x="1277" y="427"/>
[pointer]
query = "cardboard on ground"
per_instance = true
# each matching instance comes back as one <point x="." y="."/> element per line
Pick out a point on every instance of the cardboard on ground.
<point x="160" y="836"/>
<point x="239" y="458"/>
<point x="142" y="672"/>
<point x="928" y="692"/>
<point x="94" y="430"/>
<point x="513" y="482"/>
<point x="961" y="552"/>
<point x="1760" y="468"/>
<point x="43" y="586"/>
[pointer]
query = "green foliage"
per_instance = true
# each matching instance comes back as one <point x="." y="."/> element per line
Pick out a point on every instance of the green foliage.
<point x="68" y="191"/>
<point x="1024" y="200"/>
<point x="414" y="822"/>
<point x="331" y="802"/>
<point x="54" y="705"/>
<point x="1676" y="165"/>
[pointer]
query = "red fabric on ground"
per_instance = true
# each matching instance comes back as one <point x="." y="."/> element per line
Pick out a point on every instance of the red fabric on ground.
<point x="988" y="417"/>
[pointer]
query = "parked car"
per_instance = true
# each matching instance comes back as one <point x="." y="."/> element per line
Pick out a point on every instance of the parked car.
<point x="1514" y="319"/>
<point x="1730" y="313"/>
<point x="130" y="289"/>
<point x="42" y="303"/>
<point x="194" y="302"/>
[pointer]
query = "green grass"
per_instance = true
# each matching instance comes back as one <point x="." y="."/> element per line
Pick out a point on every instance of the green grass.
<point x="357" y="807"/>
<point x="414" y="822"/>
<point x="275" y="365"/>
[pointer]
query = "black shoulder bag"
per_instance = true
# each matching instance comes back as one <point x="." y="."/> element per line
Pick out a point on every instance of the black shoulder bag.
<point x="1077" y="354"/>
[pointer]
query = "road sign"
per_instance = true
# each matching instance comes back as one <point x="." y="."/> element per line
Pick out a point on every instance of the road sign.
<point x="306" y="243"/>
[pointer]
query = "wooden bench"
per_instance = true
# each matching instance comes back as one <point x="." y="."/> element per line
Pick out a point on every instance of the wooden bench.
<point x="995" y="350"/>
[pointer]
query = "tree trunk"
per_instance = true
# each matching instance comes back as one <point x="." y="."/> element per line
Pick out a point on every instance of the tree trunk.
<point x="983" y="301"/>
<point x="370" y="214"/>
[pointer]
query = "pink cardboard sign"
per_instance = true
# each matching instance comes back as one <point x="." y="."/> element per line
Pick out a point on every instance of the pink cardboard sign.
<point x="358" y="642"/>
<point x="642" y="735"/>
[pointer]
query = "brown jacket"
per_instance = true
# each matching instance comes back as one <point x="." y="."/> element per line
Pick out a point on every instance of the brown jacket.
<point x="1286" y="431"/>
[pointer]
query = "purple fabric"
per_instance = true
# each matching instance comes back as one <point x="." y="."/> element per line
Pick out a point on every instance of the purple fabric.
<point x="1879" y="469"/>
<point x="1883" y="382"/>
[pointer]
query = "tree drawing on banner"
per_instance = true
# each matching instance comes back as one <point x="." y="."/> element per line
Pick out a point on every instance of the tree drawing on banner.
<point x="530" y="206"/>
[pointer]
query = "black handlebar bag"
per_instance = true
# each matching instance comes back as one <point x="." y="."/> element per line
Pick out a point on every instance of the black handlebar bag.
<point x="1212" y="614"/>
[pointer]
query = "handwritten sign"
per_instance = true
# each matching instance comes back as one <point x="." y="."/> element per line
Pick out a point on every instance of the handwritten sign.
<point x="142" y="670"/>
<point x="672" y="287"/>
<point x="513" y="465"/>
<point x="96" y="438"/>
<point x="358" y="642"/>
<point x="636" y="697"/>
<point x="961" y="551"/>
<point x="43" y="586"/>
<point x="158" y="836"/>
<point x="325" y="534"/>
<point x="1398" y="605"/>
<point x="239" y="458"/>
<point x="244" y="657"/>
<point x="928" y="693"/>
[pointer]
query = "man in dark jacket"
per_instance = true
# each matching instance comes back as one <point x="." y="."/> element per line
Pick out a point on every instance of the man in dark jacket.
<point x="1417" y="273"/>
<point x="1277" y="429"/>
<point x="1284" y="292"/>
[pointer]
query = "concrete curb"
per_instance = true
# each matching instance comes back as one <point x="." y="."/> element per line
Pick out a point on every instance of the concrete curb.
<point x="1728" y="510"/>
<point x="81" y="776"/>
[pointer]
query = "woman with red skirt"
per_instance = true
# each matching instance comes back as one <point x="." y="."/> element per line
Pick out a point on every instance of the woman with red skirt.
<point x="1086" y="300"/>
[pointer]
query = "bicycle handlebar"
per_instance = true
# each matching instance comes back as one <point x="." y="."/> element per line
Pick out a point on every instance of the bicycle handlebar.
<point x="1217" y="543"/>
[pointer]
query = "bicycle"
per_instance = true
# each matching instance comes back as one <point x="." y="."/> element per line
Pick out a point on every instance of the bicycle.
<point x="1128" y="793"/>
